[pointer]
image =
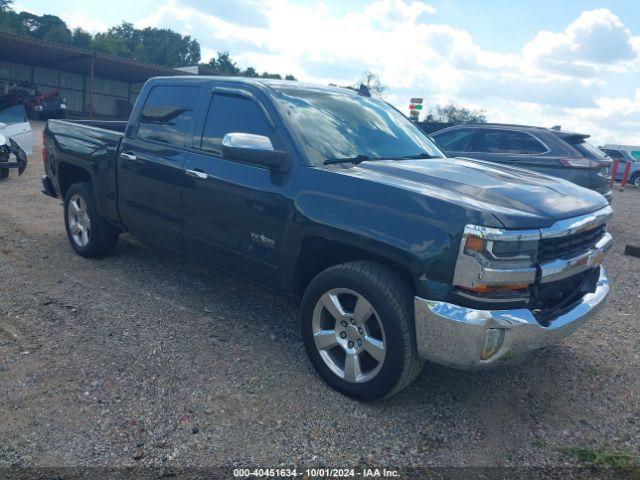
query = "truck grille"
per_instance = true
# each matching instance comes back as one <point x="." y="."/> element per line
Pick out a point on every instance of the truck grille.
<point x="569" y="246"/>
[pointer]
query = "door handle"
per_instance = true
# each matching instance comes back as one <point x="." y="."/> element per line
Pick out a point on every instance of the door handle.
<point x="129" y="156"/>
<point x="199" y="174"/>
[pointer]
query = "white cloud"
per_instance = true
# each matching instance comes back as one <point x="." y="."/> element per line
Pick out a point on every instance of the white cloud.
<point x="557" y="77"/>
<point x="79" y="20"/>
<point x="597" y="39"/>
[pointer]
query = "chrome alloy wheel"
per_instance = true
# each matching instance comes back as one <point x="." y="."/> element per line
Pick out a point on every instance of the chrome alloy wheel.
<point x="349" y="335"/>
<point x="79" y="221"/>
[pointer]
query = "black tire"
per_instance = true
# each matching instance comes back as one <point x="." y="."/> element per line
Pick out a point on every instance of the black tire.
<point x="102" y="238"/>
<point x="4" y="172"/>
<point x="633" y="180"/>
<point x="392" y="300"/>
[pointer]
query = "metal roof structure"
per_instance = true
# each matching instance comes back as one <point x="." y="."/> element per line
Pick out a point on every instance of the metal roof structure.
<point x="30" y="51"/>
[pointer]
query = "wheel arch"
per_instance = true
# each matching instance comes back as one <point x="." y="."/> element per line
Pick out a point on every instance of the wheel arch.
<point x="68" y="174"/>
<point x="317" y="253"/>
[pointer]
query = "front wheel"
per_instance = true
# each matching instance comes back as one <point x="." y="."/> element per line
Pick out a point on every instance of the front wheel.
<point x="635" y="179"/>
<point x="357" y="328"/>
<point x="89" y="234"/>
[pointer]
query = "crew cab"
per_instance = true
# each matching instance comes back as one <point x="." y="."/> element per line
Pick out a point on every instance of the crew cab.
<point x="395" y="254"/>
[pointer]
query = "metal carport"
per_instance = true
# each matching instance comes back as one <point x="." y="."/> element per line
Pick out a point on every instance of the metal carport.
<point x="94" y="80"/>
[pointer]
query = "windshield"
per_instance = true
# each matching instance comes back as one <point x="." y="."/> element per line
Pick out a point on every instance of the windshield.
<point x="332" y="124"/>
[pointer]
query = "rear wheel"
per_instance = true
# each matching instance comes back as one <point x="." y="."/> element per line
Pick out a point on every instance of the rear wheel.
<point x="357" y="328"/>
<point x="89" y="234"/>
<point x="4" y="172"/>
<point x="635" y="179"/>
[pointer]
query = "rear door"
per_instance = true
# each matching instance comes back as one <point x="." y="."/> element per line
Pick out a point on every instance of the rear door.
<point x="17" y="127"/>
<point x="235" y="213"/>
<point x="151" y="161"/>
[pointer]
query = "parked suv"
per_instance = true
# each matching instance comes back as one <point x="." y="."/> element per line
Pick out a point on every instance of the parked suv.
<point x="555" y="152"/>
<point x="624" y="156"/>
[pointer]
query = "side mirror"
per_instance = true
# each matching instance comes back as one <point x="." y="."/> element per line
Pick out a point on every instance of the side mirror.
<point x="254" y="149"/>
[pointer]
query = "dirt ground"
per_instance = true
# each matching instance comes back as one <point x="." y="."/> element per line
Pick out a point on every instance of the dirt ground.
<point x="146" y="358"/>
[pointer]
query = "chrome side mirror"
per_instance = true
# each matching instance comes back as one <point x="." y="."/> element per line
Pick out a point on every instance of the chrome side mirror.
<point x="254" y="149"/>
<point x="247" y="140"/>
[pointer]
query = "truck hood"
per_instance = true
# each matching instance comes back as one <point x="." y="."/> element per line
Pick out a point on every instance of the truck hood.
<point x="518" y="198"/>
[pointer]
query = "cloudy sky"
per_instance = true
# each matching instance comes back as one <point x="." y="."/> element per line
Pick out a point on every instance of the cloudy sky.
<point x="574" y="63"/>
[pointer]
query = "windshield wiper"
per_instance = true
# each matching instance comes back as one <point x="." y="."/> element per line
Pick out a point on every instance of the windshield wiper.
<point x="417" y="155"/>
<point x="355" y="160"/>
<point x="365" y="158"/>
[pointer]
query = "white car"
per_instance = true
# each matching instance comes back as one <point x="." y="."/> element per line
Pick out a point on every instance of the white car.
<point x="14" y="127"/>
<point x="15" y="124"/>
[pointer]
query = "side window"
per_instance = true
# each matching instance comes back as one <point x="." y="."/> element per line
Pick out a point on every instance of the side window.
<point x="506" y="141"/>
<point x="230" y="113"/>
<point x="13" y="115"/>
<point x="168" y="114"/>
<point x="455" y="140"/>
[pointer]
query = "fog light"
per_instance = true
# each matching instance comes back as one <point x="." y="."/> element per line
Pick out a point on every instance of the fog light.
<point x="494" y="337"/>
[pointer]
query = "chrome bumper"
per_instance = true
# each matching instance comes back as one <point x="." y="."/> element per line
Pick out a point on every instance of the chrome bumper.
<point x="455" y="336"/>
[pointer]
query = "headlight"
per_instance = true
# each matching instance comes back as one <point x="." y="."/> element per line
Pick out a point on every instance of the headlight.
<point x="496" y="262"/>
<point x="502" y="249"/>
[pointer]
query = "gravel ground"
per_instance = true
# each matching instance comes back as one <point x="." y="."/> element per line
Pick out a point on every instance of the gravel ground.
<point x="145" y="358"/>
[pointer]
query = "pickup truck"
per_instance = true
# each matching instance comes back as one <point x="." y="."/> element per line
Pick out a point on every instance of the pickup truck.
<point x="395" y="253"/>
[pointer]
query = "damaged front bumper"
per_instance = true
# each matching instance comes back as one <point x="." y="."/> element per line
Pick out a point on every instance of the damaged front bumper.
<point x="466" y="338"/>
<point x="21" y="158"/>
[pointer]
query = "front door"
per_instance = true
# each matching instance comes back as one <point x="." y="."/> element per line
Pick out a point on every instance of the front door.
<point x="234" y="213"/>
<point x="151" y="161"/>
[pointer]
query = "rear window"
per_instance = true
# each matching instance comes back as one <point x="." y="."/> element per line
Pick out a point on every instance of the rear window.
<point x="588" y="150"/>
<point x="168" y="114"/>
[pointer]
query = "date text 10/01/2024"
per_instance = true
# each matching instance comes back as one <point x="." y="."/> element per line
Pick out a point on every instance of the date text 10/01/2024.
<point x="313" y="473"/>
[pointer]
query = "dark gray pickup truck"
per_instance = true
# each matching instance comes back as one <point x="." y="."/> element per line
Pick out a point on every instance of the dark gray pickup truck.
<point x="396" y="254"/>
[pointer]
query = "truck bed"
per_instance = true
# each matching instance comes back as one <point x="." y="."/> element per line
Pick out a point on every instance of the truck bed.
<point x="113" y="125"/>
<point x="85" y="147"/>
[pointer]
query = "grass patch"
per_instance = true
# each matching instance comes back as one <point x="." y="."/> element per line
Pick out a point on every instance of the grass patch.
<point x="600" y="458"/>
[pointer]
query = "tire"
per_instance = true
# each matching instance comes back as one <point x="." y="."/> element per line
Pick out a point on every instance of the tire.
<point x="89" y="234"/>
<point x="4" y="172"/>
<point x="389" y="325"/>
<point x="635" y="179"/>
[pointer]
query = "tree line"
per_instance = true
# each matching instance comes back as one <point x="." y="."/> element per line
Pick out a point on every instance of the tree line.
<point x="161" y="46"/>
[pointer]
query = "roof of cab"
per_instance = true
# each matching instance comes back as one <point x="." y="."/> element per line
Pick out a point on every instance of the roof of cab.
<point x="265" y="83"/>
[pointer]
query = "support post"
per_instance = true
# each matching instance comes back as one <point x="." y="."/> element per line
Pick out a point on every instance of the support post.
<point x="91" y="75"/>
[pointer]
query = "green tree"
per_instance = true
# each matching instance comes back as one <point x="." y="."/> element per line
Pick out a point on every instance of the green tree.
<point x="275" y="76"/>
<point x="5" y="5"/>
<point x="10" y="22"/>
<point x="105" y="43"/>
<point x="373" y="83"/>
<point x="224" y="65"/>
<point x="81" y="39"/>
<point x="250" y="72"/>
<point x="453" y="113"/>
